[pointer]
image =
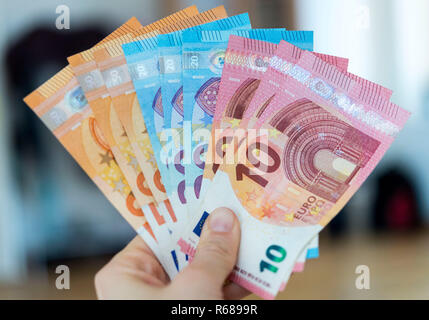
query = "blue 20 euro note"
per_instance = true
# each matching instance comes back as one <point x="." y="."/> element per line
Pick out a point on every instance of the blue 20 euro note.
<point x="174" y="109"/>
<point x="142" y="61"/>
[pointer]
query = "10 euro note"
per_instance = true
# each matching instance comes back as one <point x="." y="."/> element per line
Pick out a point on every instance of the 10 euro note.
<point x="309" y="153"/>
<point x="246" y="61"/>
<point x="270" y="83"/>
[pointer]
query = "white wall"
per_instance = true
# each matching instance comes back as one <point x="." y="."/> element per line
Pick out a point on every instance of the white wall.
<point x="12" y="255"/>
<point x="21" y="14"/>
<point x="391" y="49"/>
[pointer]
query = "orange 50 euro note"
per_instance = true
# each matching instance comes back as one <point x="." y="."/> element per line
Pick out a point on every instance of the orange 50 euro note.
<point x="61" y="104"/>
<point x="307" y="154"/>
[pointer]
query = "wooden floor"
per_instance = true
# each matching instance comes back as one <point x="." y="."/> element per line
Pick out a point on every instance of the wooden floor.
<point x="399" y="269"/>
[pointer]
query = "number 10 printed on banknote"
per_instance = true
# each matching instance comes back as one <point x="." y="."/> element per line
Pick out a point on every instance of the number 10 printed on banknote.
<point x="314" y="145"/>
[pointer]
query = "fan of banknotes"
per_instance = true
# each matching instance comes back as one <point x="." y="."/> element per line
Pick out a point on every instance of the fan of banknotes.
<point x="198" y="111"/>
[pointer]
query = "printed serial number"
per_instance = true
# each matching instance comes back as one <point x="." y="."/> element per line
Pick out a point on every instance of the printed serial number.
<point x="236" y="309"/>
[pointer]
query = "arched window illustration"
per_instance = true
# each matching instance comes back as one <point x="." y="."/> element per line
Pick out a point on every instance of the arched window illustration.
<point x="322" y="153"/>
<point x="241" y="99"/>
<point x="264" y="106"/>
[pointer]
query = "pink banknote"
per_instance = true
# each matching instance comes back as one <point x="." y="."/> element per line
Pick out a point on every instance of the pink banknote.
<point x="317" y="141"/>
<point x="246" y="62"/>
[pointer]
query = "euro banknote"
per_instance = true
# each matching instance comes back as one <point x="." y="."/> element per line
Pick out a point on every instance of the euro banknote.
<point x="197" y="111"/>
<point x="314" y="146"/>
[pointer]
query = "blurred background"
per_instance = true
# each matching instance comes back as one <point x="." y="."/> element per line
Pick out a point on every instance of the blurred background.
<point x="52" y="214"/>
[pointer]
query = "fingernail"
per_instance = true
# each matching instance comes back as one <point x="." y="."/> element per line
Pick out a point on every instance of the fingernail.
<point x="221" y="221"/>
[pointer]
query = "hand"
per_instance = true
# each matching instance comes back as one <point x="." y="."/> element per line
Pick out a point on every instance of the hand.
<point x="135" y="273"/>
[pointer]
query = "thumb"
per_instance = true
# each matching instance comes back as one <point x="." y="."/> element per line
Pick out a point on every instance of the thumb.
<point x="216" y="253"/>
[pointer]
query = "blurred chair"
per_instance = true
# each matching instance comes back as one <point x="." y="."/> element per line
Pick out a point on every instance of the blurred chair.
<point x="396" y="206"/>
